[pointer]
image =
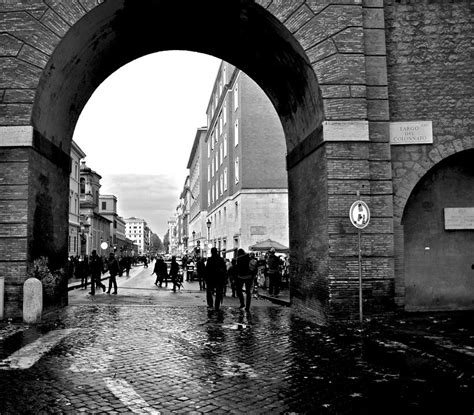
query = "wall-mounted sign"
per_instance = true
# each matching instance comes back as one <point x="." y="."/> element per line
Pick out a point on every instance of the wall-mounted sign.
<point x="458" y="218"/>
<point x="411" y="132"/>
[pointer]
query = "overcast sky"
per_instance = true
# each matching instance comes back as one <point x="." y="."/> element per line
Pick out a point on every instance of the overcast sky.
<point x="138" y="128"/>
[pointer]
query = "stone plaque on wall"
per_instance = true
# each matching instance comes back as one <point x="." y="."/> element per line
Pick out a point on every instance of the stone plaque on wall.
<point x="411" y="132"/>
<point x="258" y="230"/>
<point x="459" y="218"/>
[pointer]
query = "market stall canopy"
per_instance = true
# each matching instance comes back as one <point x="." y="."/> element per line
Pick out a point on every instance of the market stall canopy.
<point x="267" y="245"/>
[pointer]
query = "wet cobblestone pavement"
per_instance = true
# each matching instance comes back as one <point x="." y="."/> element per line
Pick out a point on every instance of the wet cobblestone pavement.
<point x="105" y="358"/>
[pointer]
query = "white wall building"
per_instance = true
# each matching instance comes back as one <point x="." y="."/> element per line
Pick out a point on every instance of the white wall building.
<point x="137" y="230"/>
<point x="74" y="202"/>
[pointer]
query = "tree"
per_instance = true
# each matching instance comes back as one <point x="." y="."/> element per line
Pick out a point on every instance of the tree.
<point x="155" y="243"/>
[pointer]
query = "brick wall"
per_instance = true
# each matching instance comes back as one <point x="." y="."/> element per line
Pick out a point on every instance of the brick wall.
<point x="430" y="73"/>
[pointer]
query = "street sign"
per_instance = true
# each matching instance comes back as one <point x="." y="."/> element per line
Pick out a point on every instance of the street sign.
<point x="359" y="214"/>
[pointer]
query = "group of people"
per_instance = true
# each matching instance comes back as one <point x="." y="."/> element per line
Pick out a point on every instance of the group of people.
<point x="94" y="266"/>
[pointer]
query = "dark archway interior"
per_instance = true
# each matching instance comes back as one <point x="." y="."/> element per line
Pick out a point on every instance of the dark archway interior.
<point x="115" y="33"/>
<point x="438" y="261"/>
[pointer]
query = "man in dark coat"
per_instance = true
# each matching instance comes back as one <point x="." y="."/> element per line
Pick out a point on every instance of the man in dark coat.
<point x="215" y="279"/>
<point x="96" y="267"/>
<point x="113" y="267"/>
<point x="160" y="270"/>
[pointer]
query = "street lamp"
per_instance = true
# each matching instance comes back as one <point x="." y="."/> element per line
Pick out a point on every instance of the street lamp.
<point x="208" y="223"/>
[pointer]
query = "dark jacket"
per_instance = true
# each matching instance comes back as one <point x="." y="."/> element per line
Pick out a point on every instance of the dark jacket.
<point x="160" y="268"/>
<point x="216" y="270"/>
<point x="174" y="269"/>
<point x="113" y="267"/>
<point x="243" y="270"/>
<point x="273" y="264"/>
<point x="95" y="265"/>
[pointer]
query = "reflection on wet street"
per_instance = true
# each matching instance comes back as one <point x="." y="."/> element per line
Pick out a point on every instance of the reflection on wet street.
<point x="165" y="359"/>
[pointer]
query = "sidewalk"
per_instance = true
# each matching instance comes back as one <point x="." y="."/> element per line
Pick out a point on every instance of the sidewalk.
<point x="75" y="283"/>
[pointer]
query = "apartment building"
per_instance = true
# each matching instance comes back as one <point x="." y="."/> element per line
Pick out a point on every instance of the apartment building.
<point x="138" y="231"/>
<point x="239" y="162"/>
<point x="74" y="237"/>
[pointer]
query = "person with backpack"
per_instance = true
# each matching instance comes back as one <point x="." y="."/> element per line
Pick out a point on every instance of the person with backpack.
<point x="244" y="277"/>
<point x="274" y="275"/>
<point x="215" y="279"/>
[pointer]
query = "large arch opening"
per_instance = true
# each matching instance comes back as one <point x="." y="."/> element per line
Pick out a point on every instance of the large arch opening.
<point x="438" y="237"/>
<point x="115" y="33"/>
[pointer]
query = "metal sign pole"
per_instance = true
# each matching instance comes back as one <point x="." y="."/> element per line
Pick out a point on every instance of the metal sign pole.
<point x="360" y="280"/>
<point x="359" y="215"/>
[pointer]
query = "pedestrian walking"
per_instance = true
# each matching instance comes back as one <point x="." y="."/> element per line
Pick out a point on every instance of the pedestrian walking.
<point x="160" y="270"/>
<point x="245" y="278"/>
<point x="201" y="273"/>
<point x="232" y="276"/>
<point x="174" y="274"/>
<point x="96" y="268"/>
<point x="215" y="279"/>
<point x="82" y="270"/>
<point x="184" y="265"/>
<point x="113" y="267"/>
<point x="273" y="271"/>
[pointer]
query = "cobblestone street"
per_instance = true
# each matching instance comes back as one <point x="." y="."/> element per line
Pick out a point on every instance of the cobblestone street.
<point x="119" y="358"/>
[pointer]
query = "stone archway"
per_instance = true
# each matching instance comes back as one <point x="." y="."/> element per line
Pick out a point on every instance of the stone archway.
<point x="312" y="59"/>
<point x="438" y="237"/>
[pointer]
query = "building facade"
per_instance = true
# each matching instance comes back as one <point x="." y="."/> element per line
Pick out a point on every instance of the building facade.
<point x="198" y="232"/>
<point x="137" y="230"/>
<point x="95" y="228"/>
<point x="74" y="236"/>
<point x="244" y="165"/>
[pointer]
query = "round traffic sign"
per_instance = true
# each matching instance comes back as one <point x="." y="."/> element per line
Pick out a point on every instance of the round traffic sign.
<point x="104" y="245"/>
<point x="359" y="214"/>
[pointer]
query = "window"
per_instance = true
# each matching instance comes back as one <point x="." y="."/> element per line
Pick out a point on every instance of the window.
<point x="236" y="210"/>
<point x="212" y="168"/>
<point x="213" y="194"/>
<point x="225" y="179"/>
<point x="221" y="153"/>
<point x="209" y="148"/>
<point x="225" y="146"/>
<point x="83" y="186"/>
<point x="236" y="97"/>
<point x="221" y="185"/>
<point x="224" y="112"/>
<point x="212" y="139"/>
<point x="208" y="172"/>
<point x="236" y="170"/>
<point x="104" y="205"/>
<point x="75" y="171"/>
<point x="236" y="132"/>
<point x="217" y="160"/>
<point x="220" y="123"/>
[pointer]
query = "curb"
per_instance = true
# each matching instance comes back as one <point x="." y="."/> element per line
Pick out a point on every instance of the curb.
<point x="279" y="301"/>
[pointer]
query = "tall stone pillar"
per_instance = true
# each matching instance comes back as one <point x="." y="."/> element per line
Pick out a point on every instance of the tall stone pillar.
<point x="34" y="182"/>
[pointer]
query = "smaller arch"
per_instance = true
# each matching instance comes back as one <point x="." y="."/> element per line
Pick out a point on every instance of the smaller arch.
<point x="437" y="255"/>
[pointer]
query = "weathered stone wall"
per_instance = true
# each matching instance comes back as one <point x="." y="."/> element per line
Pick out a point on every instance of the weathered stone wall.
<point x="430" y="72"/>
<point x="14" y="163"/>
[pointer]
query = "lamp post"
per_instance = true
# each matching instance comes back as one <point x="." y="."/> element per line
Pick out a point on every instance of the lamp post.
<point x="208" y="223"/>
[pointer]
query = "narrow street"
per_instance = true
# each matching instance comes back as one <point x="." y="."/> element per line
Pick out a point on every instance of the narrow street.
<point x="148" y="350"/>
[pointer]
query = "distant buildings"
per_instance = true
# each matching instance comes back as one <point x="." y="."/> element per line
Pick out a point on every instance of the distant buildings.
<point x="237" y="192"/>
<point x="74" y="237"/>
<point x="137" y="230"/>
<point x="95" y="228"/>
<point x="94" y="218"/>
